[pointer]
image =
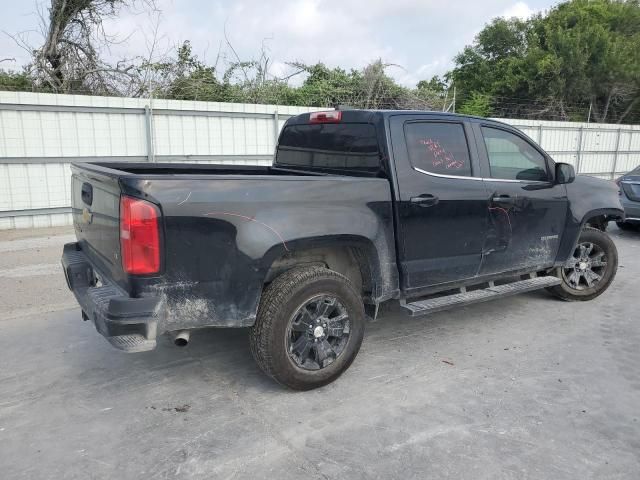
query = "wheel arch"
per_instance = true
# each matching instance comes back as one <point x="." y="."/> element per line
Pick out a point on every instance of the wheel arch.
<point x="355" y="257"/>
<point x="603" y="278"/>
<point x="599" y="215"/>
<point x="575" y="225"/>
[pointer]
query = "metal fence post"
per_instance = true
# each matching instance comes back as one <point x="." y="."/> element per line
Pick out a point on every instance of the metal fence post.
<point x="540" y="135"/>
<point x="276" y="128"/>
<point x="579" y="151"/>
<point x="149" y="133"/>
<point x="617" y="152"/>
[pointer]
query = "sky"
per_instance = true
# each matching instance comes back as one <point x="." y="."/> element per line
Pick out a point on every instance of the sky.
<point x="421" y="37"/>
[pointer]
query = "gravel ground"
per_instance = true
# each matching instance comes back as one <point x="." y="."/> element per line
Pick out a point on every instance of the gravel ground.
<point x="523" y="387"/>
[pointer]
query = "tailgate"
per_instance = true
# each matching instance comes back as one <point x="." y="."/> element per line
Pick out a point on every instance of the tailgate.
<point x="95" y="200"/>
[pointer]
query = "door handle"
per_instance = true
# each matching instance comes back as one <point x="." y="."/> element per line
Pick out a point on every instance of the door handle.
<point x="504" y="200"/>
<point x="424" y="200"/>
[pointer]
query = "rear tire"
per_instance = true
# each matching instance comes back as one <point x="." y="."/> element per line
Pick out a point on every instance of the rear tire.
<point x="591" y="268"/>
<point x="309" y="327"/>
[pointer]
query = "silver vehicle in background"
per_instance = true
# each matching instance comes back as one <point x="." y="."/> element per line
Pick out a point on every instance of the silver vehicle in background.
<point x="630" y="198"/>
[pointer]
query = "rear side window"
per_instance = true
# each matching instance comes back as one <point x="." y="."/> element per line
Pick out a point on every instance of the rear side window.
<point x="439" y="148"/>
<point x="349" y="146"/>
<point x="513" y="158"/>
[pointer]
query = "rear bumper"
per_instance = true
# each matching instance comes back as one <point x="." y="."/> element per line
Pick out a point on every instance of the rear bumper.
<point x="129" y="324"/>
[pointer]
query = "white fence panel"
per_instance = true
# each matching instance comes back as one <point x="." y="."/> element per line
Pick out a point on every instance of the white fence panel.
<point x="41" y="134"/>
<point x="601" y="150"/>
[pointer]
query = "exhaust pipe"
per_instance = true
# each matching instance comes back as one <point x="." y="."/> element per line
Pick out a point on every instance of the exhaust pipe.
<point x="181" y="338"/>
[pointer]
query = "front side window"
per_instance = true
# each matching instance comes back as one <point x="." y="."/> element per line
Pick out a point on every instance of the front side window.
<point x="439" y="148"/>
<point x="513" y="158"/>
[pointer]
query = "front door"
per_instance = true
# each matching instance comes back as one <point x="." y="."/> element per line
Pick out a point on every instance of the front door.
<point x="527" y="210"/>
<point x="442" y="207"/>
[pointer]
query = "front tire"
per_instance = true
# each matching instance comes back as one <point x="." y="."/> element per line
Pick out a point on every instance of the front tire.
<point x="309" y="327"/>
<point x="591" y="268"/>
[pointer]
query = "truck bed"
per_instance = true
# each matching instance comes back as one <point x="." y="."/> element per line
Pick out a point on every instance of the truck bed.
<point x="222" y="228"/>
<point x="191" y="169"/>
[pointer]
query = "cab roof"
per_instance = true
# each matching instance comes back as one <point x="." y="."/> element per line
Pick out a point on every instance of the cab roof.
<point x="372" y="116"/>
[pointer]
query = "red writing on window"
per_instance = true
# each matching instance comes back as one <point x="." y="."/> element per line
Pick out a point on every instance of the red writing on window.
<point x="441" y="157"/>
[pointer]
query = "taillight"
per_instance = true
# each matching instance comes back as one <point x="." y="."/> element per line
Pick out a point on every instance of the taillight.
<point x="139" y="236"/>
<point x="333" y="116"/>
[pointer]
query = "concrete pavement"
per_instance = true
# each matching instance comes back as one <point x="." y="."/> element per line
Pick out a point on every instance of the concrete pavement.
<point x="523" y="387"/>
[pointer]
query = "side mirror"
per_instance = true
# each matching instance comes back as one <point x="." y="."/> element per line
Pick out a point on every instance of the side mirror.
<point x="565" y="173"/>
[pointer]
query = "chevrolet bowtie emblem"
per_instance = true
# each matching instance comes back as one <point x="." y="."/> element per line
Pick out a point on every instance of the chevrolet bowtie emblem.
<point x="87" y="216"/>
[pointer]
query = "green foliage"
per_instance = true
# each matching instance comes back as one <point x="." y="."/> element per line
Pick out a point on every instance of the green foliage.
<point x="370" y="87"/>
<point x="324" y="86"/>
<point x="15" y="81"/>
<point x="185" y="78"/>
<point x="581" y="56"/>
<point x="583" y="52"/>
<point x="478" y="104"/>
<point x="436" y="84"/>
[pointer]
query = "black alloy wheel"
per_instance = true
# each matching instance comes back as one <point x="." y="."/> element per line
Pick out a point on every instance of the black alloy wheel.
<point x="318" y="332"/>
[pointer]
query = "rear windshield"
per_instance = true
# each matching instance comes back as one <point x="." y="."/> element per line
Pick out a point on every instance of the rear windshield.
<point x="330" y="146"/>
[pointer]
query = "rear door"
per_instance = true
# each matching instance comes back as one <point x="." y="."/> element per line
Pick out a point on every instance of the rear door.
<point x="442" y="207"/>
<point x="527" y="210"/>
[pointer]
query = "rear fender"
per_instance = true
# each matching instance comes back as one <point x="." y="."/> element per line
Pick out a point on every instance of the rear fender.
<point x="378" y="273"/>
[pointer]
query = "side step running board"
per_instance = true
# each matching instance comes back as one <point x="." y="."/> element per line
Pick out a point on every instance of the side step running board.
<point x="432" y="305"/>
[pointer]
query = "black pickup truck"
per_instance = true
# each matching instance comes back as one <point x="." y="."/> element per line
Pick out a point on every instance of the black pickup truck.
<point x="359" y="207"/>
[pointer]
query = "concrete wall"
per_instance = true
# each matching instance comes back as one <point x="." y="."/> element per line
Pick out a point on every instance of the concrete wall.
<point x="40" y="134"/>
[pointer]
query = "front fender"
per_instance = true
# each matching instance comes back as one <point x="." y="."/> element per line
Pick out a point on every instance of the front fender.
<point x="608" y="213"/>
<point x="588" y="197"/>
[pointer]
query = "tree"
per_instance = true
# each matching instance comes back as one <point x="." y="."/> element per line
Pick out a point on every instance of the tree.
<point x="582" y="53"/>
<point x="324" y="86"/>
<point x="184" y="77"/>
<point x="595" y="46"/>
<point x="70" y="60"/>
<point x="489" y="68"/>
<point x="15" y="81"/>
<point x="436" y="85"/>
<point x="478" y="104"/>
<point x="580" y="57"/>
<point x="370" y="87"/>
